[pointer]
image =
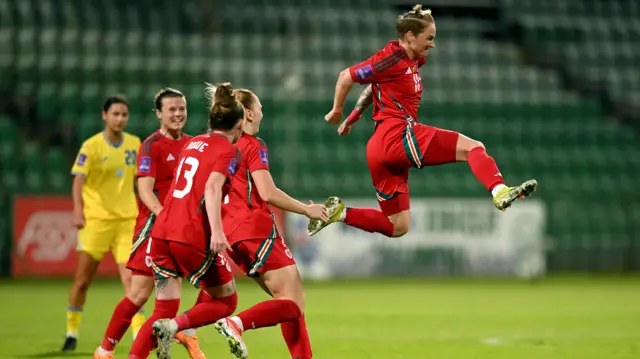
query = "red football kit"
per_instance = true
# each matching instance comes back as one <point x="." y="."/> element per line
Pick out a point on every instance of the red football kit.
<point x="181" y="234"/>
<point x="399" y="141"/>
<point x="157" y="158"/>
<point x="248" y="223"/>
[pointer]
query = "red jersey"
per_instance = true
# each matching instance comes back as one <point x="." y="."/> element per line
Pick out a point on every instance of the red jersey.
<point x="245" y="214"/>
<point x="184" y="218"/>
<point x="158" y="158"/>
<point x="396" y="82"/>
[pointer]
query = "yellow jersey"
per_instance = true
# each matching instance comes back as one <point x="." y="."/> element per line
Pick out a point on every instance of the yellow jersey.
<point x="110" y="171"/>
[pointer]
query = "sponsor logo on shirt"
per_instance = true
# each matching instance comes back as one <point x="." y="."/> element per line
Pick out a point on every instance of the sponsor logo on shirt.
<point x="364" y="72"/>
<point x="145" y="164"/>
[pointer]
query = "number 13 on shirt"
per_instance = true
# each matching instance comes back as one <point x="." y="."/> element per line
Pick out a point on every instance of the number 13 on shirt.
<point x="188" y="174"/>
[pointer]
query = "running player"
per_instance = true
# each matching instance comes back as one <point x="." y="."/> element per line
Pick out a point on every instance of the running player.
<point x="258" y="248"/>
<point x="104" y="205"/>
<point x="187" y="235"/>
<point x="157" y="161"/>
<point x="399" y="141"/>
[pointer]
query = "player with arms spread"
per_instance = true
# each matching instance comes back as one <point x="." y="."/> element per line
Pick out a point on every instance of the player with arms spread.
<point x="157" y="161"/>
<point x="399" y="141"/>
<point x="187" y="237"/>
<point x="257" y="246"/>
<point x="104" y="205"/>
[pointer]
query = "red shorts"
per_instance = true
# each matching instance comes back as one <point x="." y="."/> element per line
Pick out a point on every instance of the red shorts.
<point x="140" y="258"/>
<point x="255" y="256"/>
<point x="398" y="145"/>
<point x="175" y="259"/>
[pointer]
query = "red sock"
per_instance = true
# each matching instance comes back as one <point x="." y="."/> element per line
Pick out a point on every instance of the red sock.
<point x="296" y="336"/>
<point x="203" y="296"/>
<point x="370" y="220"/>
<point x="145" y="341"/>
<point x="269" y="313"/>
<point x="484" y="168"/>
<point x="207" y="312"/>
<point x="119" y="323"/>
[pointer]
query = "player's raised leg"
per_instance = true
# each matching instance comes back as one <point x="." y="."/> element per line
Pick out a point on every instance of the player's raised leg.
<point x="288" y="305"/>
<point x="449" y="146"/>
<point x="486" y="170"/>
<point x="389" y="168"/>
<point x="270" y="262"/>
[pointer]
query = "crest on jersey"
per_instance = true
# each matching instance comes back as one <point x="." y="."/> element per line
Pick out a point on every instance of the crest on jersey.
<point x="145" y="164"/>
<point x="233" y="167"/>
<point x="364" y="72"/>
<point x="264" y="158"/>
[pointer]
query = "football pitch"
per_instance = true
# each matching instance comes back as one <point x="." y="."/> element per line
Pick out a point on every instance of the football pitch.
<point x="555" y="318"/>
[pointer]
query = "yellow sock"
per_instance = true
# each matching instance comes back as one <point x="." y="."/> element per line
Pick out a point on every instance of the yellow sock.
<point x="74" y="316"/>
<point x="136" y="322"/>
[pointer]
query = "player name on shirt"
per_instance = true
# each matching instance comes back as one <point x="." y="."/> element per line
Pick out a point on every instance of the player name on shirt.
<point x="197" y="146"/>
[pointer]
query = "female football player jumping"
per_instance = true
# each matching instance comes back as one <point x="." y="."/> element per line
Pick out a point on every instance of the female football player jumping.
<point x="399" y="141"/>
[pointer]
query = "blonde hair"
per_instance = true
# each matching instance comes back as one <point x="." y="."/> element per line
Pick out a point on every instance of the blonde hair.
<point x="414" y="21"/>
<point x="246" y="97"/>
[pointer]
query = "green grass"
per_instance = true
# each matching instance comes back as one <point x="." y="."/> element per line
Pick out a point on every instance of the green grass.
<point x="585" y="318"/>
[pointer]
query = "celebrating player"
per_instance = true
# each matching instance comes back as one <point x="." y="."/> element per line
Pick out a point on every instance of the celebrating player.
<point x="157" y="161"/>
<point x="104" y="205"/>
<point x="258" y="248"/>
<point x="399" y="141"/>
<point x="188" y="237"/>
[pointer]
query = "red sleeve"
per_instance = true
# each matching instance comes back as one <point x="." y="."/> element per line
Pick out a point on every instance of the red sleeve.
<point x="147" y="161"/>
<point x="378" y="67"/>
<point x="257" y="156"/>
<point x="228" y="162"/>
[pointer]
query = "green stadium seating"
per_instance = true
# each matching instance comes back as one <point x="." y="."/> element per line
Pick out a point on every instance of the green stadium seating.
<point x="73" y="54"/>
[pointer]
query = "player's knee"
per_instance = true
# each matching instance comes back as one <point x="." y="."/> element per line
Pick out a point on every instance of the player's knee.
<point x="400" y="229"/>
<point x="401" y="224"/>
<point x="476" y="144"/>
<point x="300" y="301"/>
<point x="466" y="145"/>
<point x="470" y="145"/>
<point x="139" y="296"/>
<point x="82" y="283"/>
<point x="231" y="302"/>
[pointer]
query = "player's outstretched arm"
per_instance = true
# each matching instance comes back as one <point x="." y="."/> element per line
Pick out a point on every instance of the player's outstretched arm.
<point x="145" y="191"/>
<point x="274" y="196"/>
<point x="213" y="203"/>
<point x="364" y="101"/>
<point x="343" y="86"/>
